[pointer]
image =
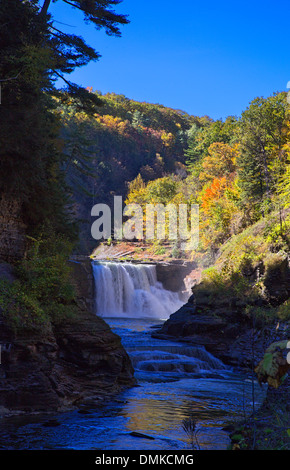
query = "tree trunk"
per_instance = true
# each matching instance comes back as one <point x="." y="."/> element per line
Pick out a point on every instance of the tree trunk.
<point x="44" y="8"/>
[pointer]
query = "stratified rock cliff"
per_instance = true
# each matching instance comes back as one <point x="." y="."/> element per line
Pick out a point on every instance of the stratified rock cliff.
<point x="222" y="329"/>
<point x="76" y="360"/>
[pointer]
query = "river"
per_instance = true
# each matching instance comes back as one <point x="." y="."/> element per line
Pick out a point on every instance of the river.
<point x="174" y="380"/>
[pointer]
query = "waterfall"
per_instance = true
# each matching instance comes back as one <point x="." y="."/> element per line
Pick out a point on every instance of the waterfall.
<point x="130" y="290"/>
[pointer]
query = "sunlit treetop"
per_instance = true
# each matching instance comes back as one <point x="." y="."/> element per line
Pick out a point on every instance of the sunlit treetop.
<point x="70" y="51"/>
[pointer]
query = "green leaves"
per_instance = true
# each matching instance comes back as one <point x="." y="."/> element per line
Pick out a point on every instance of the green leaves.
<point x="262" y="139"/>
<point x="273" y="367"/>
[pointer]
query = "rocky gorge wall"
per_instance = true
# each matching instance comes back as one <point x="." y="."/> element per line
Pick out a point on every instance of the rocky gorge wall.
<point x="75" y="361"/>
<point x="220" y="324"/>
<point x="173" y="275"/>
<point x="81" y="359"/>
<point x="222" y="332"/>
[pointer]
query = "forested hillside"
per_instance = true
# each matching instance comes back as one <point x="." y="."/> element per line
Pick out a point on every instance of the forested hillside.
<point x="38" y="227"/>
<point x="111" y="146"/>
<point x="63" y="150"/>
<point x="236" y="170"/>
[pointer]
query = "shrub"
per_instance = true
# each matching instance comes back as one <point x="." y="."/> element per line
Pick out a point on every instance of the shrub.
<point x="20" y="309"/>
<point x="43" y="292"/>
<point x="283" y="311"/>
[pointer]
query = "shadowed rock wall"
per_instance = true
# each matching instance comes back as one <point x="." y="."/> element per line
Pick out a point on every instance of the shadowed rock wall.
<point x="12" y="229"/>
<point x="77" y="360"/>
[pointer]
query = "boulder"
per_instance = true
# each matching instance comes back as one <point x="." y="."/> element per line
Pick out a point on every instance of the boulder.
<point x="76" y="361"/>
<point x="222" y="330"/>
<point x="277" y="279"/>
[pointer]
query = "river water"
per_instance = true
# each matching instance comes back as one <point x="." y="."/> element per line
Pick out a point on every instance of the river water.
<point x="174" y="380"/>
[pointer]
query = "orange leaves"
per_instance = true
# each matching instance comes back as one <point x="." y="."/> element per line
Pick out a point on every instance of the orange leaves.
<point x="219" y="207"/>
<point x="222" y="189"/>
<point x="213" y="192"/>
<point x="219" y="193"/>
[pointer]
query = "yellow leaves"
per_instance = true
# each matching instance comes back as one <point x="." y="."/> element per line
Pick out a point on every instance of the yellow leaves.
<point x="111" y="122"/>
<point x="168" y="139"/>
<point x="158" y="198"/>
<point x="137" y="191"/>
<point x="218" y="209"/>
<point x="286" y="132"/>
<point x="273" y="367"/>
<point x="221" y="161"/>
<point x="213" y="192"/>
<point x="286" y="148"/>
<point x="219" y="193"/>
<point x="179" y="198"/>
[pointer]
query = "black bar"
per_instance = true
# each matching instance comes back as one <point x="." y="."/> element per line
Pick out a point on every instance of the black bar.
<point x="100" y="459"/>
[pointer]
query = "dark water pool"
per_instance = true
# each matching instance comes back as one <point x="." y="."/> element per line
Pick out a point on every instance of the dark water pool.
<point x="174" y="380"/>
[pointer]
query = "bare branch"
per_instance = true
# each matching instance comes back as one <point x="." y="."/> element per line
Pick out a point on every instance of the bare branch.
<point x="11" y="78"/>
<point x="60" y="76"/>
<point x="44" y="8"/>
<point x="72" y="4"/>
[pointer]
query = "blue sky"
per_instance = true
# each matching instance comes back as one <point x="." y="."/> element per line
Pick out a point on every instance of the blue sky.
<point x="206" y="58"/>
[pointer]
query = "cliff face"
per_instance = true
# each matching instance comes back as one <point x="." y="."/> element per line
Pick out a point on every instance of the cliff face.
<point x="75" y="361"/>
<point x="173" y="274"/>
<point x="220" y="324"/>
<point x="78" y="361"/>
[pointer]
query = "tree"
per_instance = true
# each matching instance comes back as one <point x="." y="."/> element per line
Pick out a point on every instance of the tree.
<point x="218" y="207"/>
<point x="262" y="140"/>
<point x="33" y="54"/>
<point x="221" y="161"/>
<point x="71" y="51"/>
<point x="138" y="119"/>
<point x="162" y="190"/>
<point x="283" y="184"/>
<point x="204" y="133"/>
<point x="29" y="153"/>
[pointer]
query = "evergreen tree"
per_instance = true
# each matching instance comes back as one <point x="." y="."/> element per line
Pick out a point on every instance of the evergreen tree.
<point x="33" y="54"/>
<point x="29" y="157"/>
<point x="262" y="140"/>
<point x="70" y="51"/>
<point x="204" y="133"/>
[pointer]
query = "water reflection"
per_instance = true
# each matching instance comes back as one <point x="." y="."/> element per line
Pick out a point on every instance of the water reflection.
<point x="156" y="407"/>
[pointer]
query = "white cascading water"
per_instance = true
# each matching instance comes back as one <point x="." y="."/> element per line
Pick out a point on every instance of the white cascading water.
<point x="129" y="290"/>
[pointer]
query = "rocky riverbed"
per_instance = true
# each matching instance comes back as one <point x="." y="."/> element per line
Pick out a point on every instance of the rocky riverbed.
<point x="222" y="331"/>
